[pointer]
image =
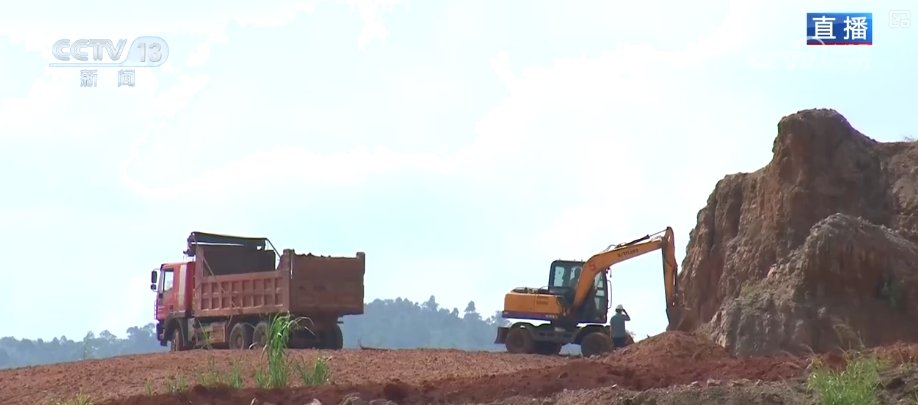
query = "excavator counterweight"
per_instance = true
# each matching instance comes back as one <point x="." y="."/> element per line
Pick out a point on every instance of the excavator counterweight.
<point x="575" y="304"/>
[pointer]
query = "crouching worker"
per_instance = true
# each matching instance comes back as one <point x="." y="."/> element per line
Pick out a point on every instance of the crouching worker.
<point x="617" y="322"/>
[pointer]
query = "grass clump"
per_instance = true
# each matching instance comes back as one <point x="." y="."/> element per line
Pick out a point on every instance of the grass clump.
<point x="857" y="384"/>
<point x="214" y="376"/>
<point x="318" y="374"/>
<point x="279" y="331"/>
<point x="274" y="374"/>
<point x="80" y="399"/>
<point x="279" y="363"/>
<point x="176" y="384"/>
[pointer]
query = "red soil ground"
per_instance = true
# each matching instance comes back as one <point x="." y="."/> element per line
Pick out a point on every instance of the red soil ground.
<point x="404" y="376"/>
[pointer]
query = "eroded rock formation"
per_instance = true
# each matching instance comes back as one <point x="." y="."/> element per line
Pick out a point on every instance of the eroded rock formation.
<point x="818" y="250"/>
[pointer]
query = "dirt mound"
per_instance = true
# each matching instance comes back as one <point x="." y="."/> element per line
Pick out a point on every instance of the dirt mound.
<point x="127" y="376"/>
<point x="672" y="345"/>
<point x="534" y="383"/>
<point x="404" y="376"/>
<point x="732" y="393"/>
<point x="813" y="251"/>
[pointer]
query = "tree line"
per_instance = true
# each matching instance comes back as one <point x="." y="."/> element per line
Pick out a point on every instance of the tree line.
<point x="392" y="323"/>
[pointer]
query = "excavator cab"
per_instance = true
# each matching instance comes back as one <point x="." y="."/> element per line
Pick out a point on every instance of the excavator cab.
<point x="562" y="282"/>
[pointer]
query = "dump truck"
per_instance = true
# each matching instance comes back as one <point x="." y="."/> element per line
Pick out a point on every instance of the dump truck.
<point x="576" y="302"/>
<point x="229" y="289"/>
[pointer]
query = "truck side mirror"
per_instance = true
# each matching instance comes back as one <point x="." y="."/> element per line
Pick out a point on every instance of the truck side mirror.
<point x="153" y="287"/>
<point x="153" y="277"/>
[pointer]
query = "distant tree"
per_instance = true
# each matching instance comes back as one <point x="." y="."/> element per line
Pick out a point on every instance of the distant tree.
<point x="431" y="304"/>
<point x="392" y="323"/>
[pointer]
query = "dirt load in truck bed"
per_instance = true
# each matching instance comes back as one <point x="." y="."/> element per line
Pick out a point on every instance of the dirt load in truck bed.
<point x="239" y="279"/>
<point x="817" y="250"/>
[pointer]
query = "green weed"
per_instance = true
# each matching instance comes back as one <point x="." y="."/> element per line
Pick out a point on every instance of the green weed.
<point x="235" y="376"/>
<point x="205" y="335"/>
<point x="275" y="373"/>
<point x="318" y="374"/>
<point x="176" y="384"/>
<point x="262" y="380"/>
<point x="279" y="331"/>
<point x="279" y="364"/>
<point x="857" y="384"/>
<point x="214" y="376"/>
<point x="80" y="399"/>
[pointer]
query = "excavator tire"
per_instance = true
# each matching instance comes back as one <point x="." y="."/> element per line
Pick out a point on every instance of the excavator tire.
<point x="519" y="340"/>
<point x="595" y="343"/>
<point x="548" y="348"/>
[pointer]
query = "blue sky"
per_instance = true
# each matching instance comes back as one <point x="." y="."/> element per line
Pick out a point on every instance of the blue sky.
<point x="463" y="145"/>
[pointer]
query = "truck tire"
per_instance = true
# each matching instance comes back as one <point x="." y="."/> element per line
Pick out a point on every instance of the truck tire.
<point x="519" y="340"/>
<point x="335" y="338"/>
<point x="330" y="339"/>
<point x="178" y="343"/>
<point x="260" y="335"/>
<point x="548" y="348"/>
<point x="240" y="336"/>
<point x="595" y="343"/>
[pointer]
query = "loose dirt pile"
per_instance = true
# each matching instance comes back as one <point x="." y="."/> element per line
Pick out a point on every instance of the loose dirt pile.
<point x="815" y="251"/>
<point x="673" y="346"/>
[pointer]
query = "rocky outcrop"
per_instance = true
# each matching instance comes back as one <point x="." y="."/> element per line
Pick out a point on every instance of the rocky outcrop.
<point x="815" y="251"/>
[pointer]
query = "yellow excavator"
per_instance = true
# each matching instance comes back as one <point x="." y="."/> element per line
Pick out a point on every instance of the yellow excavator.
<point x="576" y="302"/>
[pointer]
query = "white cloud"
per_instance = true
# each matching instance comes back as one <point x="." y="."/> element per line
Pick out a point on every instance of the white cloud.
<point x="210" y="20"/>
<point x="294" y="166"/>
<point x="20" y="116"/>
<point x="170" y="102"/>
<point x="371" y="13"/>
<point x="589" y="90"/>
<point x="17" y="114"/>
<point x="199" y="57"/>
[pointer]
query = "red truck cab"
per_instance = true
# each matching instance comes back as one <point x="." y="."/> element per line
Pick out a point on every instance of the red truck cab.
<point x="174" y="286"/>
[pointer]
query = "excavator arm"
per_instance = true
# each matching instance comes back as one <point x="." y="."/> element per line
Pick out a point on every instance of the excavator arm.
<point x="663" y="241"/>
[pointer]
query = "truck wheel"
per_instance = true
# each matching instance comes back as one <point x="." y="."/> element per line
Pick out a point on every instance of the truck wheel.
<point x="548" y="348"/>
<point x="336" y="338"/>
<point x="178" y="340"/>
<point x="595" y="343"/>
<point x="330" y="339"/>
<point x="519" y="341"/>
<point x="260" y="335"/>
<point x="240" y="336"/>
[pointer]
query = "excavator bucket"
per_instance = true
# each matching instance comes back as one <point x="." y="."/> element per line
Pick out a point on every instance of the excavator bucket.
<point x="681" y="319"/>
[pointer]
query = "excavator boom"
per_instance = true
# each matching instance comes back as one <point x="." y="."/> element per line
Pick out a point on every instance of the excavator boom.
<point x="601" y="261"/>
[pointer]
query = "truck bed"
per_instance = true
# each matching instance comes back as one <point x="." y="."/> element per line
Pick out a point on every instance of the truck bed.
<point x="303" y="284"/>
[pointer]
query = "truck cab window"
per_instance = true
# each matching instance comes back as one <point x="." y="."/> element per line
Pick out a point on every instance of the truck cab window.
<point x="167" y="279"/>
